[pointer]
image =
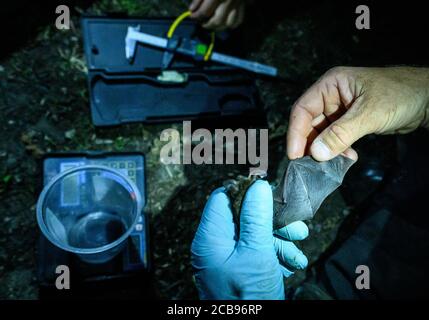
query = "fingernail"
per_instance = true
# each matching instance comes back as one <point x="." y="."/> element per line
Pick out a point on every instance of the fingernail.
<point x="320" y="151"/>
<point x="300" y="261"/>
<point x="351" y="154"/>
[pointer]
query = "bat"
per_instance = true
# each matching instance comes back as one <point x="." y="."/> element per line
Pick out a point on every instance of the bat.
<point x="305" y="184"/>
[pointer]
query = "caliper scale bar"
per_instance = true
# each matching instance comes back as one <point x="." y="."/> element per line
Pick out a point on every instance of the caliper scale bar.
<point x="190" y="48"/>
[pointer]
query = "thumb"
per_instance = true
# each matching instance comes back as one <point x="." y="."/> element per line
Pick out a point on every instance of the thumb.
<point x="338" y="136"/>
<point x="256" y="216"/>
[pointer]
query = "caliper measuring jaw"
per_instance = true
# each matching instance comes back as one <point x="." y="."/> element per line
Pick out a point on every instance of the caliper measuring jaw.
<point x="134" y="35"/>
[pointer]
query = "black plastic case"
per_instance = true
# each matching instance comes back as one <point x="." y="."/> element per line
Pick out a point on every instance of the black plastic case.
<point x="121" y="92"/>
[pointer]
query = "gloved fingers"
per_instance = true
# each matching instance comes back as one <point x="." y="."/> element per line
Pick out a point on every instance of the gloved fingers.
<point x="217" y="222"/>
<point x="295" y="231"/>
<point x="285" y="271"/>
<point x="256" y="216"/>
<point x="289" y="254"/>
<point x="215" y="238"/>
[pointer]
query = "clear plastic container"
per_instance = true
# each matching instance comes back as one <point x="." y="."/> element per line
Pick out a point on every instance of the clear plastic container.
<point x="90" y="211"/>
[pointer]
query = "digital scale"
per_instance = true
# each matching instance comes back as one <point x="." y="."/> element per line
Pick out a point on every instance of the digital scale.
<point x="130" y="268"/>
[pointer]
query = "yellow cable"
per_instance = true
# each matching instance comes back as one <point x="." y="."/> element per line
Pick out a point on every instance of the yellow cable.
<point x="176" y="23"/>
<point x="210" y="48"/>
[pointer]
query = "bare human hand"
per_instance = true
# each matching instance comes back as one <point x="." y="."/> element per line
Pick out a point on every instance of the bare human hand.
<point x="218" y="14"/>
<point x="348" y="103"/>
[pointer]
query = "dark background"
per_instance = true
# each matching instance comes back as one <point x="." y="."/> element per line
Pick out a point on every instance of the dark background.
<point x="44" y="108"/>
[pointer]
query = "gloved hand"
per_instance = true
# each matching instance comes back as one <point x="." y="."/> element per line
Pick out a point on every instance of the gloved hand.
<point x="249" y="264"/>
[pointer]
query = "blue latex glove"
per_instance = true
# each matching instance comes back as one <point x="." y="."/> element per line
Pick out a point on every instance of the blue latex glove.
<point x="251" y="264"/>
